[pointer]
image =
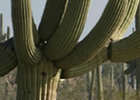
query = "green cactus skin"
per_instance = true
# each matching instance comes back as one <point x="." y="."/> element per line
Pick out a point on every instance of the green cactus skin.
<point x="7" y="58"/>
<point x="35" y="33"/>
<point x="38" y="54"/>
<point x="137" y="24"/>
<point x="67" y="34"/>
<point x="32" y="81"/>
<point x="85" y="67"/>
<point x="110" y="22"/>
<point x="128" y="19"/>
<point x="23" y="32"/>
<point x="53" y="15"/>
<point x="122" y="51"/>
<point x="98" y="59"/>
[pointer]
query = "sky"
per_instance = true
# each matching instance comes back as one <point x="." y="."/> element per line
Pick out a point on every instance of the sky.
<point x="95" y="11"/>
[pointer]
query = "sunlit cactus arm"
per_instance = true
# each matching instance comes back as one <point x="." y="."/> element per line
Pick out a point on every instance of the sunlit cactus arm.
<point x="109" y="23"/>
<point x="69" y="31"/>
<point x="86" y="67"/>
<point x="52" y="16"/>
<point x="126" y="49"/>
<point x="25" y="47"/>
<point x="131" y="11"/>
<point x="8" y="60"/>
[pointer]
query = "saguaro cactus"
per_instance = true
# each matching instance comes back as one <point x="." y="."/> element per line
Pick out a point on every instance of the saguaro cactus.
<point x="41" y="54"/>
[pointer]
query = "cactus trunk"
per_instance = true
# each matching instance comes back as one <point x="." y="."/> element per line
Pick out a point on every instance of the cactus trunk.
<point x="37" y="82"/>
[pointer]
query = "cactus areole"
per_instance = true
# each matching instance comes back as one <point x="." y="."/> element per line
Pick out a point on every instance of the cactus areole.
<point x="44" y="55"/>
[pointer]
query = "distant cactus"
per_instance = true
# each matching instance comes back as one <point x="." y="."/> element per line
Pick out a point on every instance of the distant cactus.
<point x="100" y="84"/>
<point x="125" y="81"/>
<point x="112" y="78"/>
<point x="91" y="82"/>
<point x="44" y="55"/>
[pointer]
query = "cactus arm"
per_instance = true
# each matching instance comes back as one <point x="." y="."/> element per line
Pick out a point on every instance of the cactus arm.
<point x="69" y="31"/>
<point x="86" y="67"/>
<point x="120" y="51"/>
<point x="25" y="47"/>
<point x="52" y="16"/>
<point x="126" y="49"/>
<point x="108" y="24"/>
<point x="137" y="21"/>
<point x="8" y="60"/>
<point x="131" y="11"/>
<point x="35" y="33"/>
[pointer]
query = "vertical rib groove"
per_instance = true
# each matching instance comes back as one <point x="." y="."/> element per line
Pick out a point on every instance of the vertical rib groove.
<point x="67" y="34"/>
<point x="52" y="16"/>
<point x="109" y="24"/>
<point x="25" y="47"/>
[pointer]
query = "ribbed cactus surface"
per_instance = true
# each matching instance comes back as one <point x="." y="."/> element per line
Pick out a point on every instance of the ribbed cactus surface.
<point x="41" y="53"/>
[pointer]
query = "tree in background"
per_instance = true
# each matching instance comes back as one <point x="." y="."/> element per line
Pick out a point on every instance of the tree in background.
<point x="52" y="52"/>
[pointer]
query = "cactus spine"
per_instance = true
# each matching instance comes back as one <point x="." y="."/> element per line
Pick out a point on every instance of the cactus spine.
<point x="41" y="54"/>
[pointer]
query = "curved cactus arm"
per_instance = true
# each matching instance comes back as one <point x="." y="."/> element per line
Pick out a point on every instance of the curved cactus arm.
<point x="109" y="23"/>
<point x="131" y="11"/>
<point x="52" y="16"/>
<point x="126" y="49"/>
<point x="69" y="31"/>
<point x="86" y="67"/>
<point x="8" y="60"/>
<point x="137" y="21"/>
<point x="35" y="33"/>
<point x="25" y="47"/>
<point x="120" y="51"/>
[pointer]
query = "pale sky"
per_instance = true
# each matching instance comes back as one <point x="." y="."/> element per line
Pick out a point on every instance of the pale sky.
<point x="96" y="9"/>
